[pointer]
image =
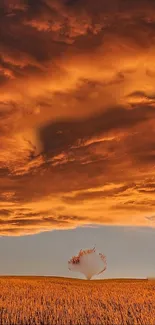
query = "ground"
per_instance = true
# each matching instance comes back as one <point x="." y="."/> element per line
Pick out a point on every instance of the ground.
<point x="65" y="301"/>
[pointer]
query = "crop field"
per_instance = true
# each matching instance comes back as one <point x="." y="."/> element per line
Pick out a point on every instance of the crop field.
<point x="50" y="300"/>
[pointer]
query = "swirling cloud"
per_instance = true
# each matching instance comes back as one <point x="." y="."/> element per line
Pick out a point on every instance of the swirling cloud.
<point x="77" y="114"/>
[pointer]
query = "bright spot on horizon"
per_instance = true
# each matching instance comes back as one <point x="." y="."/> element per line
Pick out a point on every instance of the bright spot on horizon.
<point x="88" y="262"/>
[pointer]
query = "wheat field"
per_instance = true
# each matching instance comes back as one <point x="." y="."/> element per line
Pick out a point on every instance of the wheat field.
<point x="50" y="300"/>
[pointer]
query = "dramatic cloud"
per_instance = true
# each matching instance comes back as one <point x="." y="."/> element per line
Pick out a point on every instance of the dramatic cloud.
<point x="77" y="114"/>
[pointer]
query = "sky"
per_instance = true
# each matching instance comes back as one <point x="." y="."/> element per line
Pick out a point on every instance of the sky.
<point x="129" y="252"/>
<point x="77" y="116"/>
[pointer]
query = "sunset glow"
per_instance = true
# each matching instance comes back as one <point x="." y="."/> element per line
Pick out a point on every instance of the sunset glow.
<point x="77" y="114"/>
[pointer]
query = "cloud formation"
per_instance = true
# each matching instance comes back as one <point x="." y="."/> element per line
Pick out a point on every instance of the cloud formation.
<point x="77" y="114"/>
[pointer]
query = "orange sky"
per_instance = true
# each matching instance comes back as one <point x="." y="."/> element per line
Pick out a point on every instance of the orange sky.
<point x="77" y="114"/>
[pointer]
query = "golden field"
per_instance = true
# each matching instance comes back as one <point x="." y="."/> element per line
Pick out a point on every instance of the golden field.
<point x="50" y="300"/>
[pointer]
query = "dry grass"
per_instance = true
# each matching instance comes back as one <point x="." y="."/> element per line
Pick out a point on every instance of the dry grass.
<point x="49" y="300"/>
